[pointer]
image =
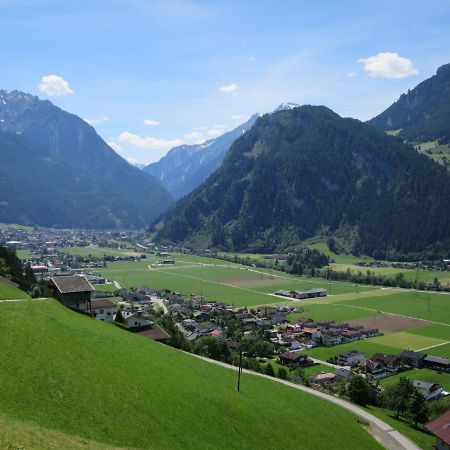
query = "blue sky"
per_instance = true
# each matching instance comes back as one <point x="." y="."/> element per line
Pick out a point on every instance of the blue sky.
<point x="153" y="74"/>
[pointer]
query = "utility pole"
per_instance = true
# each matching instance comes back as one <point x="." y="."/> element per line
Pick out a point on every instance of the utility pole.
<point x="239" y="369"/>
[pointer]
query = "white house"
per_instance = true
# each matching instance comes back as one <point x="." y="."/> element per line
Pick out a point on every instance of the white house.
<point x="103" y="309"/>
<point x="351" y="358"/>
<point x="430" y="391"/>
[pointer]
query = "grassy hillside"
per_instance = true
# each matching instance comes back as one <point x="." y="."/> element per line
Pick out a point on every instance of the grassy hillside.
<point x="10" y="292"/>
<point x="73" y="375"/>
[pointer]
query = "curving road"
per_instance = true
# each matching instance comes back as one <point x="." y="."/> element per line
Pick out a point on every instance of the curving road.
<point x="386" y="435"/>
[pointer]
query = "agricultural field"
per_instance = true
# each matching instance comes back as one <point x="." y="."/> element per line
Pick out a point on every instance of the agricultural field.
<point x="422" y="375"/>
<point x="44" y="388"/>
<point x="97" y="252"/>
<point x="217" y="280"/>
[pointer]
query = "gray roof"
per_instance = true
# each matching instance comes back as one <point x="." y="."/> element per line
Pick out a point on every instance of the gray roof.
<point x="423" y="384"/>
<point x="311" y="291"/>
<point x="437" y="360"/>
<point x="71" y="284"/>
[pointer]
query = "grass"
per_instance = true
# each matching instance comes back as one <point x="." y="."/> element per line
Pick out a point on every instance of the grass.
<point x="105" y="288"/>
<point x="332" y="311"/>
<point x="23" y="253"/>
<point x="367" y="346"/>
<point x="96" y="252"/>
<point x="408" y="340"/>
<point x="217" y="281"/>
<point x="419" y="436"/>
<point x="316" y="369"/>
<point x="434" y="331"/>
<point x="15" y="226"/>
<point x="420" y="374"/>
<point x="442" y="350"/>
<point x="81" y="377"/>
<point x="10" y="292"/>
<point x="421" y="305"/>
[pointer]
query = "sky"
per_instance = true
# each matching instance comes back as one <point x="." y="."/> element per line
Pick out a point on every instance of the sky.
<point x="151" y="75"/>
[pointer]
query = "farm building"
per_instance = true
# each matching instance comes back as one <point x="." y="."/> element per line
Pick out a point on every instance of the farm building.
<point x="412" y="358"/>
<point x="72" y="291"/>
<point x="301" y="295"/>
<point x="437" y="363"/>
<point x="429" y="391"/>
<point x="103" y="309"/>
<point x="440" y="428"/>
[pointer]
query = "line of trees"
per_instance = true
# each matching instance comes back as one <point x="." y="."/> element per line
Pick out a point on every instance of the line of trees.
<point x="11" y="267"/>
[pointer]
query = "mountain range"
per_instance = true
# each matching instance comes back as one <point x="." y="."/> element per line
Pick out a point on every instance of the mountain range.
<point x="57" y="171"/>
<point x="299" y="171"/>
<point x="187" y="166"/>
<point x="423" y="113"/>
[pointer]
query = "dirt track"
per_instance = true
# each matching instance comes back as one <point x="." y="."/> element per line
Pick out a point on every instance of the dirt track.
<point x="388" y="323"/>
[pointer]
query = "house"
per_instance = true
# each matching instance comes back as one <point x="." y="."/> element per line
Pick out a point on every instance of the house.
<point x="136" y="321"/>
<point x="430" y="391"/>
<point x="374" y="369"/>
<point x="351" y="358"/>
<point x="324" y="378"/>
<point x="344" y="374"/>
<point x="103" y="309"/>
<point x="155" y="332"/>
<point x="72" y="291"/>
<point x="312" y="333"/>
<point x="293" y="359"/>
<point x="436" y="363"/>
<point x="310" y="293"/>
<point x="391" y="362"/>
<point x="329" y="339"/>
<point x="440" y="428"/>
<point x="412" y="358"/>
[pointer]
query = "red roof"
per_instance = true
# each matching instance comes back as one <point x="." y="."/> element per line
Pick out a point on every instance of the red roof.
<point x="440" y="427"/>
<point x="216" y="333"/>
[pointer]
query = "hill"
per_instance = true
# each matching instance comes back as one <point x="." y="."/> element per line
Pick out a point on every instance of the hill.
<point x="73" y="375"/>
<point x="57" y="171"/>
<point x="422" y="114"/>
<point x="300" y="171"/>
<point x="186" y="167"/>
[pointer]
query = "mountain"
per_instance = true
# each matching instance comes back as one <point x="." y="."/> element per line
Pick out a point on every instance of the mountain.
<point x="423" y="114"/>
<point x="187" y="166"/>
<point x="57" y="171"/>
<point x="300" y="171"/>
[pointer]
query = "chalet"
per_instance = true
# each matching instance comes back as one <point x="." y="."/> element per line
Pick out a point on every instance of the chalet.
<point x="391" y="362"/>
<point x="436" y="363"/>
<point x="412" y="358"/>
<point x="440" y="428"/>
<point x="155" y="332"/>
<point x="374" y="369"/>
<point x="72" y="291"/>
<point x="293" y="359"/>
<point x="103" y="310"/>
<point x="351" y="358"/>
<point x="136" y="321"/>
<point x="344" y="374"/>
<point x="430" y="391"/>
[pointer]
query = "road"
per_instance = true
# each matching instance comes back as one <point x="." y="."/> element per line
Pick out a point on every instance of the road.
<point x="388" y="436"/>
<point x="160" y="302"/>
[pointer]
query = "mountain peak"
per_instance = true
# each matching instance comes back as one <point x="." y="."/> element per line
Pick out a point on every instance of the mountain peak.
<point x="286" y="106"/>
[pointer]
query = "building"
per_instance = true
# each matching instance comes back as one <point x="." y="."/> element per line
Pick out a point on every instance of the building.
<point x="430" y="391"/>
<point x="300" y="295"/>
<point x="436" y="363"/>
<point x="293" y="359"/>
<point x="154" y="332"/>
<point x="440" y="428"/>
<point x="324" y="378"/>
<point x="351" y="358"/>
<point x="103" y="309"/>
<point x="412" y="358"/>
<point x="72" y="291"/>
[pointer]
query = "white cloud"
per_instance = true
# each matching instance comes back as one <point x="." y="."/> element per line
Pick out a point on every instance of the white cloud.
<point x="229" y="88"/>
<point x="54" y="86"/>
<point x="252" y="59"/>
<point x="352" y="74"/>
<point x="151" y="122"/>
<point x="116" y="147"/>
<point x="148" y="142"/>
<point x="96" y="121"/>
<point x="217" y="130"/>
<point x="237" y="117"/>
<point x="388" y="65"/>
<point x="195" y="137"/>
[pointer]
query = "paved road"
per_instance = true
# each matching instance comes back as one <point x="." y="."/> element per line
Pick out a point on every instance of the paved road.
<point x="160" y="302"/>
<point x="22" y="299"/>
<point x="389" y="437"/>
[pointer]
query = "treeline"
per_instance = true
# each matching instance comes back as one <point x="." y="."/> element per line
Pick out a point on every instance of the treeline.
<point x="11" y="267"/>
<point x="372" y="278"/>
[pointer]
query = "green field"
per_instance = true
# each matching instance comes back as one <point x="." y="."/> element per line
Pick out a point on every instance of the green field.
<point x="367" y="346"/>
<point x="10" y="292"/>
<point x="120" y="389"/>
<point x="422" y="375"/>
<point x="105" y="288"/>
<point x="408" y="340"/>
<point x="218" y="280"/>
<point x="96" y="252"/>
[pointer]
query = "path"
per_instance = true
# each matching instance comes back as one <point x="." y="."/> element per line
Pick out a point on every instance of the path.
<point x="326" y="363"/>
<point x="160" y="302"/>
<point x="388" y="436"/>
<point x="22" y="299"/>
<point x="433" y="346"/>
<point x="117" y="285"/>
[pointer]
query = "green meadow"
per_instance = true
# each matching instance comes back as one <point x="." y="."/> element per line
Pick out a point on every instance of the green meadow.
<point x="114" y="388"/>
<point x="430" y="376"/>
<point x="10" y="292"/>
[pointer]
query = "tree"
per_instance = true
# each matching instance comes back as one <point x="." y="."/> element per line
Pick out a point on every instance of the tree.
<point x="397" y="396"/>
<point x="359" y="390"/>
<point x="417" y="409"/>
<point x="29" y="278"/>
<point x="282" y="373"/>
<point x="269" y="370"/>
<point x="119" y="317"/>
